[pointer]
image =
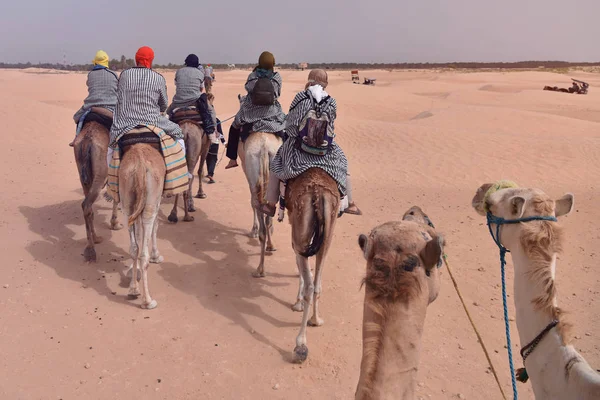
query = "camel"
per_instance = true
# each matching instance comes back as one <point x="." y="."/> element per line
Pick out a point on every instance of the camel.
<point x="401" y="281"/>
<point x="90" y="148"/>
<point x="256" y="155"/>
<point x="197" y="145"/>
<point x="141" y="181"/>
<point x="556" y="369"/>
<point x="313" y="202"/>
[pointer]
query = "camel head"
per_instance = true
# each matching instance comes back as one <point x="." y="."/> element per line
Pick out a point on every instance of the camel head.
<point x="402" y="259"/>
<point x="512" y="202"/>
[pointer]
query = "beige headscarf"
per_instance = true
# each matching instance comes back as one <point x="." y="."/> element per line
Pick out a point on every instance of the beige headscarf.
<point x="317" y="77"/>
<point x="266" y="61"/>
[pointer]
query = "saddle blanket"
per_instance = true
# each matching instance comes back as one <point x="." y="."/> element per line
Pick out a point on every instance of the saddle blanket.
<point x="176" y="178"/>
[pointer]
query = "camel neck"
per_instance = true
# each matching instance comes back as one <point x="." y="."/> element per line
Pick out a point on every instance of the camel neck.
<point x="556" y="370"/>
<point x="391" y="351"/>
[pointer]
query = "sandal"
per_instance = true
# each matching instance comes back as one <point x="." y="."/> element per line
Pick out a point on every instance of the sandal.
<point x="232" y="164"/>
<point x="353" y="209"/>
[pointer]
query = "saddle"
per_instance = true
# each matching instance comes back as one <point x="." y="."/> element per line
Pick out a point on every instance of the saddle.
<point x="139" y="134"/>
<point x="100" y="115"/>
<point x="189" y="113"/>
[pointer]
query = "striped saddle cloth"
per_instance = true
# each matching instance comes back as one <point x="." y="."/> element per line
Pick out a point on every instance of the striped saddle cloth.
<point x="176" y="178"/>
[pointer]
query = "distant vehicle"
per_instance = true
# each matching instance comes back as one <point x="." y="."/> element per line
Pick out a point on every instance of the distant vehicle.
<point x="369" y="81"/>
<point x="355" y="77"/>
<point x="302" y="66"/>
<point x="578" y="87"/>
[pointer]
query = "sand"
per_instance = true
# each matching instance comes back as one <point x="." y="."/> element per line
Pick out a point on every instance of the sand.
<point x="67" y="330"/>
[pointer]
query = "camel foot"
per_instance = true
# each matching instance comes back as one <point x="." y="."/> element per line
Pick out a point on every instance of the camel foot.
<point x="157" y="260"/>
<point x="116" y="226"/>
<point x="300" y="354"/>
<point x="201" y="196"/>
<point x="299" y="306"/>
<point x="133" y="293"/>
<point x="259" y="273"/>
<point x="191" y="208"/>
<point x="98" y="239"/>
<point x="315" y="321"/>
<point x="271" y="248"/>
<point x="253" y="234"/>
<point x="89" y="254"/>
<point x="173" y="218"/>
<point x="153" y="304"/>
<point x="188" y="218"/>
<point x="129" y="273"/>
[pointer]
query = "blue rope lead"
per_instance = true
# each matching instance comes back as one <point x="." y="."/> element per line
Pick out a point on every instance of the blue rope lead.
<point x="507" y="325"/>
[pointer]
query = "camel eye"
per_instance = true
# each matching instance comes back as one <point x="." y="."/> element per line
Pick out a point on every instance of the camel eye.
<point x="411" y="213"/>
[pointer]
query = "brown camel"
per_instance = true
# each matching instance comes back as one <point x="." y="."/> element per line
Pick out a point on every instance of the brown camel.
<point x="141" y="181"/>
<point x="90" y="147"/>
<point x="313" y="201"/>
<point x="401" y="281"/>
<point x="196" y="147"/>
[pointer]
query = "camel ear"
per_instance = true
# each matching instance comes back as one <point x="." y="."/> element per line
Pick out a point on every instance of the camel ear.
<point x="432" y="252"/>
<point x="363" y="242"/>
<point x="564" y="205"/>
<point x="517" y="204"/>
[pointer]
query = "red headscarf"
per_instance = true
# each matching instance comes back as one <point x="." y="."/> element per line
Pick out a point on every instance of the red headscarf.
<point x="144" y="57"/>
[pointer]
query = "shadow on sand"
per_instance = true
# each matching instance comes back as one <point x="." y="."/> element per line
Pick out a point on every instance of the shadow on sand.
<point x="220" y="278"/>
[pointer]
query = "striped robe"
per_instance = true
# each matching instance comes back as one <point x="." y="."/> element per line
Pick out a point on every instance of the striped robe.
<point x="290" y="162"/>
<point x="263" y="118"/>
<point x="189" y="82"/>
<point x="102" y="91"/>
<point x="141" y="98"/>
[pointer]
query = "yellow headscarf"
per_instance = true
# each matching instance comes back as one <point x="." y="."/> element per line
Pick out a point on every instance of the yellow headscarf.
<point x="101" y="58"/>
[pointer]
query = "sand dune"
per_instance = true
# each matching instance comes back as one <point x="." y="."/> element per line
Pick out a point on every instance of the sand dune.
<point x="416" y="138"/>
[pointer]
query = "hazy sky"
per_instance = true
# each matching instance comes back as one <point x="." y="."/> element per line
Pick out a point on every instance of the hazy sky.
<point x="230" y="31"/>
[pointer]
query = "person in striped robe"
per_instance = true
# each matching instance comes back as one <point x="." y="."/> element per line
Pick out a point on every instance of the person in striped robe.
<point x="257" y="118"/>
<point x="291" y="161"/>
<point x="102" y="88"/>
<point x="189" y="84"/>
<point x="141" y="100"/>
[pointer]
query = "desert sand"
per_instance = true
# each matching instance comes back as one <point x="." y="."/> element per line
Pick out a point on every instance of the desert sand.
<point x="421" y="138"/>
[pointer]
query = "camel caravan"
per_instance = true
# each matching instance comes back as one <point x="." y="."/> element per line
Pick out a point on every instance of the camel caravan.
<point x="130" y="141"/>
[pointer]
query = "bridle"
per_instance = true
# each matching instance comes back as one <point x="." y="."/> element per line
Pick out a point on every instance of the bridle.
<point x="528" y="349"/>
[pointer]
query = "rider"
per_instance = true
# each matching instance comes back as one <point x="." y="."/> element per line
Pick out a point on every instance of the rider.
<point x="102" y="88"/>
<point x="208" y="77"/>
<point x="142" y="100"/>
<point x="189" y="82"/>
<point x="291" y="161"/>
<point x="260" y="110"/>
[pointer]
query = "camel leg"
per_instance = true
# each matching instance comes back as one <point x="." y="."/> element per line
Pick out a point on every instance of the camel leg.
<point x="316" y="320"/>
<point x="262" y="237"/>
<point x="173" y="216"/>
<point x="189" y="204"/>
<point x="187" y="198"/>
<point x="155" y="256"/>
<point x="299" y="306"/>
<point x="255" y="216"/>
<point x="301" y="350"/>
<point x="134" y="289"/>
<point x="114" y="219"/>
<point x="89" y="253"/>
<point x="144" y="259"/>
<point x="269" y="231"/>
<point x="203" y="154"/>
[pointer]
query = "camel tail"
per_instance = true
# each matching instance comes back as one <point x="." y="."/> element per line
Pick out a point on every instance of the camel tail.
<point x="84" y="158"/>
<point x="318" y="237"/>
<point x="138" y="194"/>
<point x="263" y="176"/>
